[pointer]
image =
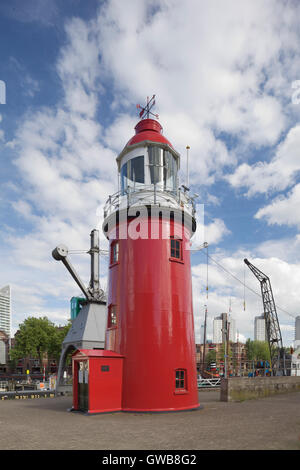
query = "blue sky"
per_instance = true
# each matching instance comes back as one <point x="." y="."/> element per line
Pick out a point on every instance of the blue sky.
<point x="222" y="72"/>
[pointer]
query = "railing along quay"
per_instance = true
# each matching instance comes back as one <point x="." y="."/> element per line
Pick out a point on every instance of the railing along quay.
<point x="208" y="383"/>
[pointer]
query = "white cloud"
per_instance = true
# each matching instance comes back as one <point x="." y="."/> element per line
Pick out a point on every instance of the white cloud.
<point x="212" y="63"/>
<point x="119" y="132"/>
<point x="286" y="249"/>
<point x="283" y="210"/>
<point x="276" y="175"/>
<point x="207" y="155"/>
<point x="211" y="233"/>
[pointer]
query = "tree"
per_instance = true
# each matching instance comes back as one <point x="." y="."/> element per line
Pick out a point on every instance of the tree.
<point x="263" y="351"/>
<point x="56" y="340"/>
<point x="257" y="350"/>
<point x="210" y="357"/>
<point x="221" y="354"/>
<point x="37" y="337"/>
<point x="250" y="349"/>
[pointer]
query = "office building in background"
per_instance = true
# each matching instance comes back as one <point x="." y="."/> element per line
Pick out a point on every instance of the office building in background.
<point x="219" y="329"/>
<point x="297" y="332"/>
<point x="260" y="328"/>
<point x="5" y="310"/>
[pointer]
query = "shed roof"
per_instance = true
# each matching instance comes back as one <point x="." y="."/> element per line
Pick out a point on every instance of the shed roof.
<point x="96" y="353"/>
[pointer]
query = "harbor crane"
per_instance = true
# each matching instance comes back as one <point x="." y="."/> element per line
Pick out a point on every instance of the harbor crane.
<point x="271" y="319"/>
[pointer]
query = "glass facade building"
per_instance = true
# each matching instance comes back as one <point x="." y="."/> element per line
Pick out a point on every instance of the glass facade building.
<point x="5" y="310"/>
<point x="260" y="333"/>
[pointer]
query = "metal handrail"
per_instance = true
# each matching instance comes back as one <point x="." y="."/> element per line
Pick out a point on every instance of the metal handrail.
<point x="208" y="382"/>
<point x="180" y="196"/>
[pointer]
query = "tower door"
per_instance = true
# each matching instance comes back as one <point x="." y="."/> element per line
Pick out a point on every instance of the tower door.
<point x="83" y="385"/>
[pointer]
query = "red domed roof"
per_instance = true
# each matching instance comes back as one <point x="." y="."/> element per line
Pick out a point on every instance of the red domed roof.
<point x="148" y="129"/>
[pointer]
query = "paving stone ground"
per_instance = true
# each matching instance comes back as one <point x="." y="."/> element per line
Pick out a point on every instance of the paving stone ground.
<point x="271" y="423"/>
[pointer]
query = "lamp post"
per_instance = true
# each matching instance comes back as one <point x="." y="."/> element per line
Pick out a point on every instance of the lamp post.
<point x="187" y="166"/>
<point x="204" y="340"/>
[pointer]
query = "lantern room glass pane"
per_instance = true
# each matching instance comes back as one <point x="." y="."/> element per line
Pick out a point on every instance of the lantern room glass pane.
<point x="170" y="171"/>
<point x="155" y="164"/>
<point x="132" y="173"/>
<point x="137" y="169"/>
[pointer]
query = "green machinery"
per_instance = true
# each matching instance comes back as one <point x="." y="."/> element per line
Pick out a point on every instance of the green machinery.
<point x="76" y="304"/>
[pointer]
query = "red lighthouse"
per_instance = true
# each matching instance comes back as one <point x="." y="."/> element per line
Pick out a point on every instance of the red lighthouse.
<point x="149" y="223"/>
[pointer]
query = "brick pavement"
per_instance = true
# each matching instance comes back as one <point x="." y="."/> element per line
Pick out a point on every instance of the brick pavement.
<point x="44" y="423"/>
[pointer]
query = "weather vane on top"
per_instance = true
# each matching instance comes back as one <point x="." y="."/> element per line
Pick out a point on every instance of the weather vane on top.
<point x="146" y="111"/>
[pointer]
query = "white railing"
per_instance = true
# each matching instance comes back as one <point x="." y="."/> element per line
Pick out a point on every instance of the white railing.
<point x="149" y="195"/>
<point x="3" y="386"/>
<point x="205" y="383"/>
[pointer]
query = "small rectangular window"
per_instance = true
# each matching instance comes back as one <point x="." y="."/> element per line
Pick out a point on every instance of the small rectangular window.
<point x="114" y="257"/>
<point x="112" y="316"/>
<point x="176" y="248"/>
<point x="180" y="379"/>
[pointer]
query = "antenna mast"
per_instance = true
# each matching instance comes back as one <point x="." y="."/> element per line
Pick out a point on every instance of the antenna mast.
<point x="187" y="166"/>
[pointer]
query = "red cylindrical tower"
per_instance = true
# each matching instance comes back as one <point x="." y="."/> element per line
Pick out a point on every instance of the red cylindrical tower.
<point x="149" y="223"/>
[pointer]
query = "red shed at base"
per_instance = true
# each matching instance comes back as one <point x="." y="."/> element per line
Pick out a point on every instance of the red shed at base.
<point x="97" y="381"/>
